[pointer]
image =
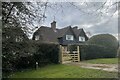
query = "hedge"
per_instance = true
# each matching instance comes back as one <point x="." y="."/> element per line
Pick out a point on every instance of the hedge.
<point x="96" y="51"/>
<point x="42" y="53"/>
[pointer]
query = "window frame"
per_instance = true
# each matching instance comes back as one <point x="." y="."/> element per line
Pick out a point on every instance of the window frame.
<point x="37" y="37"/>
<point x="81" y="38"/>
<point x="68" y="36"/>
<point x="19" y="38"/>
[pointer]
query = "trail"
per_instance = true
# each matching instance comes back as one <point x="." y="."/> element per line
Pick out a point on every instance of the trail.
<point x="105" y="67"/>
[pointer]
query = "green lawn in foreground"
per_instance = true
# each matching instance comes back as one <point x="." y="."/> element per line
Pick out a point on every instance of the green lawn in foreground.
<point x="64" y="71"/>
<point x="103" y="61"/>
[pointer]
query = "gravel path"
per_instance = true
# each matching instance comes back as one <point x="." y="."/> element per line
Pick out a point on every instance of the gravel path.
<point x="105" y="67"/>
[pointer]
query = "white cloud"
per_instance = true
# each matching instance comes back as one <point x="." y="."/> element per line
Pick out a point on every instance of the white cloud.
<point x="86" y="25"/>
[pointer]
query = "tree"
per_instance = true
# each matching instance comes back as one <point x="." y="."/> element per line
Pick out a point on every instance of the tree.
<point x="15" y="14"/>
<point x="14" y="46"/>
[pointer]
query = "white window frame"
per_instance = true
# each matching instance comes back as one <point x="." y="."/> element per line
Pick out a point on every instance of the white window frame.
<point x="37" y="37"/>
<point x="81" y="38"/>
<point x="7" y="36"/>
<point x="69" y="37"/>
<point x="19" y="38"/>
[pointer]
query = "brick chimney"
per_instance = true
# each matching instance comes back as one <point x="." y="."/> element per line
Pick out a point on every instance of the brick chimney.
<point x="53" y="25"/>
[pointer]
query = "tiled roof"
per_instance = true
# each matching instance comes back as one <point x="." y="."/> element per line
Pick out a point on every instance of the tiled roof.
<point x="52" y="35"/>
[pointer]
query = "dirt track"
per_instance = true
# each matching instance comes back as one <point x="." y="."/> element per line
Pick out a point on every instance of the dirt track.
<point x="105" y="67"/>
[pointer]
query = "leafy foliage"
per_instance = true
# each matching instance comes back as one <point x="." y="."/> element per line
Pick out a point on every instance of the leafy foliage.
<point x="21" y="14"/>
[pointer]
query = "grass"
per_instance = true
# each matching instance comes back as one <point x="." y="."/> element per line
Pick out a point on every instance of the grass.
<point x="103" y="61"/>
<point x="64" y="71"/>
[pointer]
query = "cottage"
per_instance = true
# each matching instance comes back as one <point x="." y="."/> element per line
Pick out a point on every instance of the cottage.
<point x="64" y="36"/>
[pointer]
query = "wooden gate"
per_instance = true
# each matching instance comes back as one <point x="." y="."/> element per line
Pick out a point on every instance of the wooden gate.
<point x="67" y="56"/>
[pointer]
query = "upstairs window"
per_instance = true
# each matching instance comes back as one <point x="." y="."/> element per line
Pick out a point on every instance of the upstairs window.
<point x="19" y="38"/>
<point x="81" y="38"/>
<point x="7" y="37"/>
<point x="69" y="37"/>
<point x="37" y="37"/>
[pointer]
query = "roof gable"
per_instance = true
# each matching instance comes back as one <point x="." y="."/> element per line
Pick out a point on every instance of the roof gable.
<point x="71" y="30"/>
<point x="61" y="32"/>
<point x="77" y="31"/>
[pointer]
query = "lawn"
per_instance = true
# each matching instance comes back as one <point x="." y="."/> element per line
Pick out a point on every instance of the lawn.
<point x="103" y="61"/>
<point x="64" y="71"/>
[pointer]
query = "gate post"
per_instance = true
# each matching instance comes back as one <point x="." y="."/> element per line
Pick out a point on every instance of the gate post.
<point x="78" y="51"/>
<point x="60" y="54"/>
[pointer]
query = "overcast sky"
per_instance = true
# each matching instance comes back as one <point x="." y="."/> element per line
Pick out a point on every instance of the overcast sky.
<point x="91" y="16"/>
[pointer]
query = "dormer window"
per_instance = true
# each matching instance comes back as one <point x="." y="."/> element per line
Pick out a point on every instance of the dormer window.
<point x="81" y="38"/>
<point x="69" y="37"/>
<point x="37" y="37"/>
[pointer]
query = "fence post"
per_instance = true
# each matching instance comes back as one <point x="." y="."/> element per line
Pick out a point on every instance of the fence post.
<point x="78" y="51"/>
<point x="36" y="65"/>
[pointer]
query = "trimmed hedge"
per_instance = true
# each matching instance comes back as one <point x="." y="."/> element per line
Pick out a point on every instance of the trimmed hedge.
<point x="100" y="46"/>
<point x="96" y="51"/>
<point x="47" y="52"/>
<point x="106" y="40"/>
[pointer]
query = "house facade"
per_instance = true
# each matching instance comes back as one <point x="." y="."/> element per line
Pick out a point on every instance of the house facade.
<point x="64" y="36"/>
